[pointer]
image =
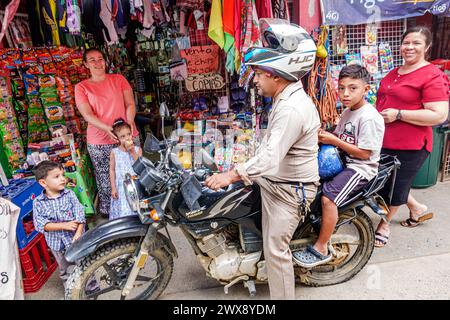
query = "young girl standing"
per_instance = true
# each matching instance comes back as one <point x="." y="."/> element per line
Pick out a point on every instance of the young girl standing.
<point x="121" y="162"/>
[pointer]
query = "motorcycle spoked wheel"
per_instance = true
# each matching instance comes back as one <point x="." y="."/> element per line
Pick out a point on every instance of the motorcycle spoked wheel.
<point x="344" y="268"/>
<point x="120" y="250"/>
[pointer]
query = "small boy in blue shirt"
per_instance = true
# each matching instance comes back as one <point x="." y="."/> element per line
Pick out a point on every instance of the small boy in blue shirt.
<point x="57" y="213"/>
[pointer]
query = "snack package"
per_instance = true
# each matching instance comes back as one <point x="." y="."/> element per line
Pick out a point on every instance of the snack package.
<point x="371" y="34"/>
<point x="47" y="83"/>
<point x="31" y="84"/>
<point x="387" y="62"/>
<point x="352" y="58"/>
<point x="369" y="57"/>
<point x="54" y="113"/>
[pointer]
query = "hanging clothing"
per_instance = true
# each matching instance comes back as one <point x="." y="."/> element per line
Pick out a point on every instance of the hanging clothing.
<point x="107" y="14"/>
<point x="148" y="14"/>
<point x="280" y="9"/>
<point x="199" y="36"/>
<point x="237" y="34"/>
<point x="61" y="13"/>
<point x="249" y="25"/>
<point x="73" y="16"/>
<point x="92" y="22"/>
<point x="228" y="29"/>
<point x="264" y="8"/>
<point x="49" y="22"/>
<point x="10" y="12"/>
<point x="215" y="31"/>
<point x="121" y="18"/>
<point x="34" y="23"/>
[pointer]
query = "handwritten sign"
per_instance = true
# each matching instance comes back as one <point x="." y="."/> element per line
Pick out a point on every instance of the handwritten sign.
<point x="201" y="59"/>
<point x="207" y="81"/>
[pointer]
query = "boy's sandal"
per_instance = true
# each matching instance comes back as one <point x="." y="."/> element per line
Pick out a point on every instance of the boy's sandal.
<point x="411" y="223"/>
<point x="381" y="238"/>
<point x="310" y="257"/>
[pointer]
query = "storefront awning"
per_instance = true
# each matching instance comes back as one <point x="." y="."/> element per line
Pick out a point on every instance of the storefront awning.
<point x="335" y="12"/>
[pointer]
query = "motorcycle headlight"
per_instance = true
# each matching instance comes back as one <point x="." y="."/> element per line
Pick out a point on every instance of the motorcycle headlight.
<point x="151" y="179"/>
<point x="141" y="164"/>
<point x="131" y="192"/>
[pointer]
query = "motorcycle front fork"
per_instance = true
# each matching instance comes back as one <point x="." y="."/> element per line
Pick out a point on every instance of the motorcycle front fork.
<point x="139" y="260"/>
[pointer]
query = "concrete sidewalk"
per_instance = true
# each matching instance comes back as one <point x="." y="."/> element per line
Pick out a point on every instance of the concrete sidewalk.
<point x="414" y="264"/>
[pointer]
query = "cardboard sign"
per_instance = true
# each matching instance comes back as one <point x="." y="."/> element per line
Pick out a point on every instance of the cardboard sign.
<point x="201" y="59"/>
<point x="207" y="81"/>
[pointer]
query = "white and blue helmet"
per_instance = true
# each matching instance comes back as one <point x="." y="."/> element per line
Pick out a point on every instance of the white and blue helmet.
<point x="288" y="50"/>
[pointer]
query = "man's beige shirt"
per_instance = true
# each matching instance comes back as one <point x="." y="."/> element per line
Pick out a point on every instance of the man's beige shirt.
<point x="288" y="151"/>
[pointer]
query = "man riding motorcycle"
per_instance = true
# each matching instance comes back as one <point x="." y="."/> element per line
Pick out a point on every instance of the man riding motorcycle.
<point x="285" y="165"/>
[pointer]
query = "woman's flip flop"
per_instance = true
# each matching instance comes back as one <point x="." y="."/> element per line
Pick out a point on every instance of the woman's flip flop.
<point x="411" y="223"/>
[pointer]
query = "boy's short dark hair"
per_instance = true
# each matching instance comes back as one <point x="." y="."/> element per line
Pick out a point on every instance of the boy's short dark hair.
<point x="41" y="170"/>
<point x="355" y="71"/>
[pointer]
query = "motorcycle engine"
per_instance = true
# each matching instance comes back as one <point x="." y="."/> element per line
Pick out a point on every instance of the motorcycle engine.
<point x="227" y="262"/>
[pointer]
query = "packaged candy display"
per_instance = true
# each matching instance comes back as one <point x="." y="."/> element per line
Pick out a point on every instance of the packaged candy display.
<point x="11" y="151"/>
<point x="387" y="62"/>
<point x="369" y="56"/>
<point x="31" y="84"/>
<point x="352" y="58"/>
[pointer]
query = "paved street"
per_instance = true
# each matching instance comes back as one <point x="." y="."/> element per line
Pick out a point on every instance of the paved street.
<point x="414" y="265"/>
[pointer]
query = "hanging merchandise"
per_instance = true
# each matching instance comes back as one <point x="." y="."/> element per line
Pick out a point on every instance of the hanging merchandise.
<point x="339" y="39"/>
<point x="321" y="88"/>
<point x="228" y="17"/>
<point x="387" y="62"/>
<point x="371" y="34"/>
<point x="73" y="16"/>
<point x="11" y="146"/>
<point x="353" y="58"/>
<point x="215" y="31"/>
<point x="49" y="22"/>
<point x="280" y="9"/>
<point x="369" y="57"/>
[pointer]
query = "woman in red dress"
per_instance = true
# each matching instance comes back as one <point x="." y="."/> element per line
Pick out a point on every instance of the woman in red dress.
<point x="411" y="99"/>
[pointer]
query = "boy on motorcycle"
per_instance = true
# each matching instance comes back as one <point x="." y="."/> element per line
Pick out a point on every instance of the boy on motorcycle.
<point x="285" y="165"/>
<point x="360" y="135"/>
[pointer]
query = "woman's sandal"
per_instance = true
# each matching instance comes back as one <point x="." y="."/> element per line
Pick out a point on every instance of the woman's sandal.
<point x="411" y="223"/>
<point x="383" y="239"/>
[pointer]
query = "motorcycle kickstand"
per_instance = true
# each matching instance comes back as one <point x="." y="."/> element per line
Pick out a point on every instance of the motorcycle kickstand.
<point x="232" y="283"/>
<point x="250" y="285"/>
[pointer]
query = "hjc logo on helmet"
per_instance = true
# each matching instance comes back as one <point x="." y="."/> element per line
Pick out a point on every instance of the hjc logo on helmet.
<point x="302" y="59"/>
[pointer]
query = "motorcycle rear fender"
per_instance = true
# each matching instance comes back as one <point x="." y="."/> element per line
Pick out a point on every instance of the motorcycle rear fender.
<point x="126" y="227"/>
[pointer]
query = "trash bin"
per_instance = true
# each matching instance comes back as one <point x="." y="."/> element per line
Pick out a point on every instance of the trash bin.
<point x="427" y="176"/>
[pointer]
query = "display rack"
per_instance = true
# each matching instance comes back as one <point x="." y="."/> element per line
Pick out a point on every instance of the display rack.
<point x="388" y="32"/>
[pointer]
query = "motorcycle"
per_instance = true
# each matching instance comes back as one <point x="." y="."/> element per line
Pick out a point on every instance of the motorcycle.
<point x="132" y="258"/>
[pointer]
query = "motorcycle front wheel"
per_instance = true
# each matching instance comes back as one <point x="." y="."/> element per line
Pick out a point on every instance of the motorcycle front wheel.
<point x="352" y="256"/>
<point x="102" y="274"/>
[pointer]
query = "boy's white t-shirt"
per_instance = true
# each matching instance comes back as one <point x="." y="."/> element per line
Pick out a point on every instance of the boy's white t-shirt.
<point x="365" y="129"/>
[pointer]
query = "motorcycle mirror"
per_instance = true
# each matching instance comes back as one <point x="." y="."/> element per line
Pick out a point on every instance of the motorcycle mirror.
<point x="175" y="161"/>
<point x="208" y="161"/>
<point x="151" y="144"/>
<point x="163" y="110"/>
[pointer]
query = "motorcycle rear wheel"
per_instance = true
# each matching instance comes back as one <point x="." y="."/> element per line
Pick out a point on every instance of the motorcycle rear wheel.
<point x="340" y="270"/>
<point x="116" y="273"/>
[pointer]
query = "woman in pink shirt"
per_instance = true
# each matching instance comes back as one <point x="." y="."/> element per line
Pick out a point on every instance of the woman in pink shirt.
<point x="101" y="99"/>
<point x="411" y="99"/>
